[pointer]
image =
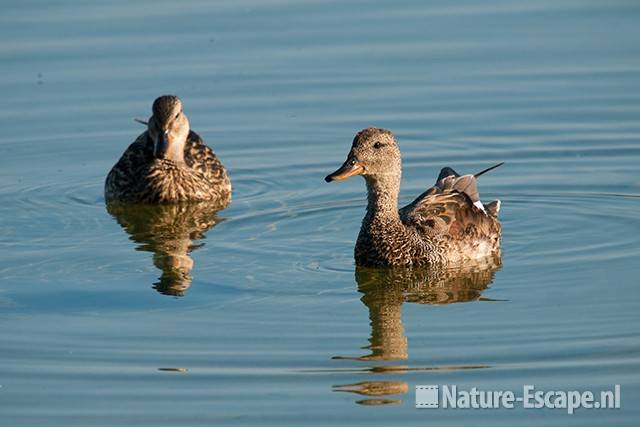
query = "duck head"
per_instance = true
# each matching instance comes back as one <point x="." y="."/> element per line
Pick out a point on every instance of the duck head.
<point x="374" y="154"/>
<point x="168" y="128"/>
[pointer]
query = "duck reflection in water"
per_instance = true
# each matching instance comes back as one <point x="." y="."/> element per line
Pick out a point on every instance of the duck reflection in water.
<point x="169" y="232"/>
<point x="385" y="291"/>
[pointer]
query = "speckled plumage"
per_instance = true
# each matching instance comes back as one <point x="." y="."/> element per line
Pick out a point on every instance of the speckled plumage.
<point x="442" y="226"/>
<point x="183" y="169"/>
<point x="140" y="177"/>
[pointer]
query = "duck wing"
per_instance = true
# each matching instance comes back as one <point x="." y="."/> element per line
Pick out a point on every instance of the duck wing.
<point x="445" y="212"/>
<point x="123" y="180"/>
<point x="452" y="207"/>
<point x="202" y="158"/>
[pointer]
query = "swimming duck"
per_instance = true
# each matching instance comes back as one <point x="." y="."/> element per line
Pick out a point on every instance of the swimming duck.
<point x="446" y="224"/>
<point x="168" y="163"/>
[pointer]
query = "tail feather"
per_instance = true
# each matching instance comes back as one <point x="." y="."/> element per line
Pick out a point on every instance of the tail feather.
<point x="449" y="179"/>
<point x="488" y="169"/>
<point x="493" y="208"/>
<point x="445" y="172"/>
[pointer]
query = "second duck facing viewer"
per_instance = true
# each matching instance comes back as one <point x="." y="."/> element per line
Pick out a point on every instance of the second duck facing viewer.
<point x="168" y="163"/>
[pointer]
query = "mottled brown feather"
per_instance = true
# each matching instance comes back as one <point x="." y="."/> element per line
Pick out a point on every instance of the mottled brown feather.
<point x="140" y="177"/>
<point x="442" y="226"/>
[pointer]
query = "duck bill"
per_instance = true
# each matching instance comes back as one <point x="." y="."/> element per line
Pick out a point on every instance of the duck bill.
<point x="348" y="169"/>
<point x="162" y="146"/>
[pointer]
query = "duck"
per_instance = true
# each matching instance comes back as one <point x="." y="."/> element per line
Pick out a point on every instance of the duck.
<point x="444" y="226"/>
<point x="168" y="163"/>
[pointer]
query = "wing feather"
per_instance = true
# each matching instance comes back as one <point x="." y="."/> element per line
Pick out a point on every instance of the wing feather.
<point x="202" y="158"/>
<point x="451" y="209"/>
<point x="450" y="214"/>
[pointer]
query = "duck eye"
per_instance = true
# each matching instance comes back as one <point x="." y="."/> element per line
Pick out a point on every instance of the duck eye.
<point x="377" y="145"/>
<point x="178" y="115"/>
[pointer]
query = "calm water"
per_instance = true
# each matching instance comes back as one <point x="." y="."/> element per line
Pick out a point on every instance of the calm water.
<point x="257" y="315"/>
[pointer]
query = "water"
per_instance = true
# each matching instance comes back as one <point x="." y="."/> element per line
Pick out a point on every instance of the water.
<point x="257" y="316"/>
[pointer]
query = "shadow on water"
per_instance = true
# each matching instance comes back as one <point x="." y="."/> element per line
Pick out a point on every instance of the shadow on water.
<point x="169" y="232"/>
<point x="384" y="292"/>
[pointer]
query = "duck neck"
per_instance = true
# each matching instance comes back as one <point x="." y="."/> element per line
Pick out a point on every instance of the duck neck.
<point x="382" y="195"/>
<point x="175" y="152"/>
<point x="172" y="150"/>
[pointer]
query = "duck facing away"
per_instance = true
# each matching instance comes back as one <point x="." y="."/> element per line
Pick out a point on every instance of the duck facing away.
<point x="168" y="163"/>
<point x="446" y="224"/>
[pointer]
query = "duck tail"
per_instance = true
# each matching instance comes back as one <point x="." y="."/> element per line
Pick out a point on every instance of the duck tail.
<point x="488" y="169"/>
<point x="493" y="208"/>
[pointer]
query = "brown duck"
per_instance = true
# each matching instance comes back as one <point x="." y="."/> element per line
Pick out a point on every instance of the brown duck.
<point x="168" y="163"/>
<point x="446" y="224"/>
